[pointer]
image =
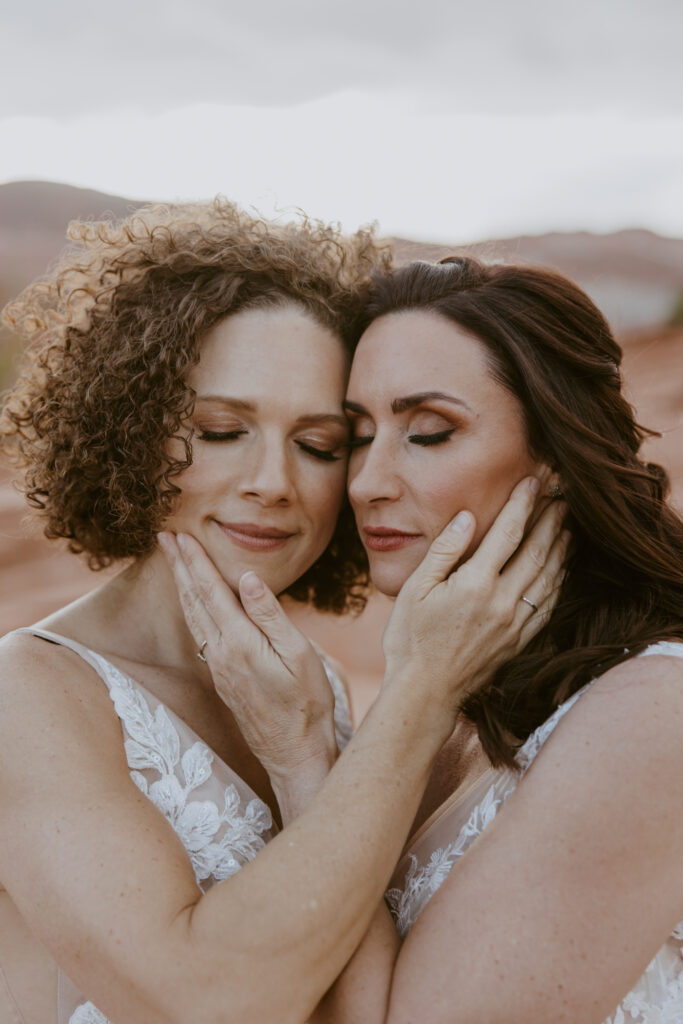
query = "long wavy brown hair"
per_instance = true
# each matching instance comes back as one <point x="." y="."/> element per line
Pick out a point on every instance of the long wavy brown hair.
<point x="112" y="334"/>
<point x="551" y="347"/>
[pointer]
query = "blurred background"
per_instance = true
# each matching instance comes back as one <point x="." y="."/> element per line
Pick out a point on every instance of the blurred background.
<point x="534" y="130"/>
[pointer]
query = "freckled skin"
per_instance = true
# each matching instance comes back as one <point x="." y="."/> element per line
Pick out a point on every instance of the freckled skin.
<point x="287" y="367"/>
<point x="397" y="483"/>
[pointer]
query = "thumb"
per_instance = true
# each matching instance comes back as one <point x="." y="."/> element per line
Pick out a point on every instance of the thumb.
<point x="445" y="552"/>
<point x="264" y="610"/>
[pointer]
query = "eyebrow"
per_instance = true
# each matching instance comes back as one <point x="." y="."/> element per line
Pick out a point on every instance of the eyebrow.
<point x="399" y="405"/>
<point x="242" y="405"/>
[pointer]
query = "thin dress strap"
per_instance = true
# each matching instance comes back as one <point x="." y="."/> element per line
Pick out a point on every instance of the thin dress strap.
<point x="94" y="660"/>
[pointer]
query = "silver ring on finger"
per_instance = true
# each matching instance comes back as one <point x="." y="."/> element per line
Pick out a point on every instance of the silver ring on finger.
<point x="200" y="652"/>
<point x="527" y="600"/>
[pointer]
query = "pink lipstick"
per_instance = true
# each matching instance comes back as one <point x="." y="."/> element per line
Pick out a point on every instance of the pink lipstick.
<point x="254" y="537"/>
<point x="383" y="538"/>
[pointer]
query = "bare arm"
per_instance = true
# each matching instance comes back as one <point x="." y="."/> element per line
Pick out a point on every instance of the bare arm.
<point x="559" y="906"/>
<point x="363" y="990"/>
<point x="101" y="877"/>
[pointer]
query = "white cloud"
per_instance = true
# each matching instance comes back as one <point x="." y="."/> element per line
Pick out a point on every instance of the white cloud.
<point x="357" y="157"/>
<point x="531" y="56"/>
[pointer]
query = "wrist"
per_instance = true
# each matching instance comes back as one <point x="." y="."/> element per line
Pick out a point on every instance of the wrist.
<point x="424" y="711"/>
<point x="296" y="787"/>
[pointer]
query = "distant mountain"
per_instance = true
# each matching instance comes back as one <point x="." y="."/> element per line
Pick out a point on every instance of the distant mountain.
<point x="635" y="276"/>
<point x="50" y="206"/>
<point x="33" y="220"/>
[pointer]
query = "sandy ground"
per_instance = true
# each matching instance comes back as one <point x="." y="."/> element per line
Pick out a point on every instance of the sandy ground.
<point x="37" y="577"/>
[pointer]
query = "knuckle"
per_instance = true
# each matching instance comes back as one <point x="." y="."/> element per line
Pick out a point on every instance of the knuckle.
<point x="513" y="533"/>
<point x="440" y="549"/>
<point x="205" y="592"/>
<point x="475" y="587"/>
<point x="266" y="609"/>
<point x="547" y="583"/>
<point x="537" y="555"/>
<point x="502" y="609"/>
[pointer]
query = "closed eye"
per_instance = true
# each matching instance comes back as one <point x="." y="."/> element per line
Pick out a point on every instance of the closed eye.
<point x="360" y="442"/>
<point x="427" y="439"/>
<point x="318" y="453"/>
<point x="220" y="435"/>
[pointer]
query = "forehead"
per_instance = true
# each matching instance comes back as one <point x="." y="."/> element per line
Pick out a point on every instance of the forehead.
<point x="419" y="350"/>
<point x="261" y="349"/>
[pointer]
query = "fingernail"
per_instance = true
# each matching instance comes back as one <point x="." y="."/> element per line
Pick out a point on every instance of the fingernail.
<point x="251" y="584"/>
<point x="461" y="521"/>
<point x="534" y="485"/>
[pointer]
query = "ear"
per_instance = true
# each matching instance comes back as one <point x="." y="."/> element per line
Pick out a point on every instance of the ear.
<point x="554" y="486"/>
<point x="549" y="476"/>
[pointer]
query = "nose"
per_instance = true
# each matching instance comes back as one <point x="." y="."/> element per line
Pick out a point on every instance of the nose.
<point x="268" y="478"/>
<point x="374" y="474"/>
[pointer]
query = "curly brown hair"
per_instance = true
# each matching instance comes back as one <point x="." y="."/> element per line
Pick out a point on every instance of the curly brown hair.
<point x="113" y="332"/>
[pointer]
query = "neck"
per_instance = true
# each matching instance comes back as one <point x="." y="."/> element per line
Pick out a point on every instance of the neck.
<point x="138" y="612"/>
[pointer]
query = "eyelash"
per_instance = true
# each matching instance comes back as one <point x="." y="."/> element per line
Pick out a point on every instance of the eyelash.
<point x="228" y="435"/>
<point x="323" y="454"/>
<point x="424" y="440"/>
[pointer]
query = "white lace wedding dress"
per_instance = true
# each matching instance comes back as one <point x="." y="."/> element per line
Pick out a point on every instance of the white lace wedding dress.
<point x="220" y="821"/>
<point x="657" y="998"/>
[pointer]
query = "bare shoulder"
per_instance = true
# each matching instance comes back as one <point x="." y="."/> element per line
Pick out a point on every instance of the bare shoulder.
<point x="622" y="736"/>
<point x="645" y="670"/>
<point x="30" y="664"/>
<point x="641" y="697"/>
<point x="50" y="697"/>
<point x="576" y="882"/>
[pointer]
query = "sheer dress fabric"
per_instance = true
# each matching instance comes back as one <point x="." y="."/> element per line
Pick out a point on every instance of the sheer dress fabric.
<point x="657" y="998"/>
<point x="219" y="819"/>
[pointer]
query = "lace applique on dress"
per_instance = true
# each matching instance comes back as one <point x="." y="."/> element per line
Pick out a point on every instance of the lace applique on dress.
<point x="639" y="1008"/>
<point x="421" y="882"/>
<point x="526" y="754"/>
<point x="219" y="837"/>
<point x="657" y="998"/>
<point x="88" y="1014"/>
<point x="153" y="746"/>
<point x="221" y="823"/>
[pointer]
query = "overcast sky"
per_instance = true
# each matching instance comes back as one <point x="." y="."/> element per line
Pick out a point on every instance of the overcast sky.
<point x="440" y="119"/>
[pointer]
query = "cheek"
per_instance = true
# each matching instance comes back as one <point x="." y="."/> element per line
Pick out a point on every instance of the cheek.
<point x="325" y="498"/>
<point x="480" y="485"/>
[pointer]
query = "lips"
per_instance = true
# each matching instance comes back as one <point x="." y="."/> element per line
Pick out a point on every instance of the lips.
<point x="255" y="537"/>
<point x="384" y="538"/>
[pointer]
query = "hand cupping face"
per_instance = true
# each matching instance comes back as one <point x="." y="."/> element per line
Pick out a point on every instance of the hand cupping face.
<point x="263" y="668"/>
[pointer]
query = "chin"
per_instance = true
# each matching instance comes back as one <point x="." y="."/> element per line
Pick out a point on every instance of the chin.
<point x="389" y="571"/>
<point x="388" y="581"/>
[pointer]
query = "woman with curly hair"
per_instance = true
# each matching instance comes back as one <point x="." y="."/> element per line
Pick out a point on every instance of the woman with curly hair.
<point x="186" y="375"/>
<point x="543" y="878"/>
